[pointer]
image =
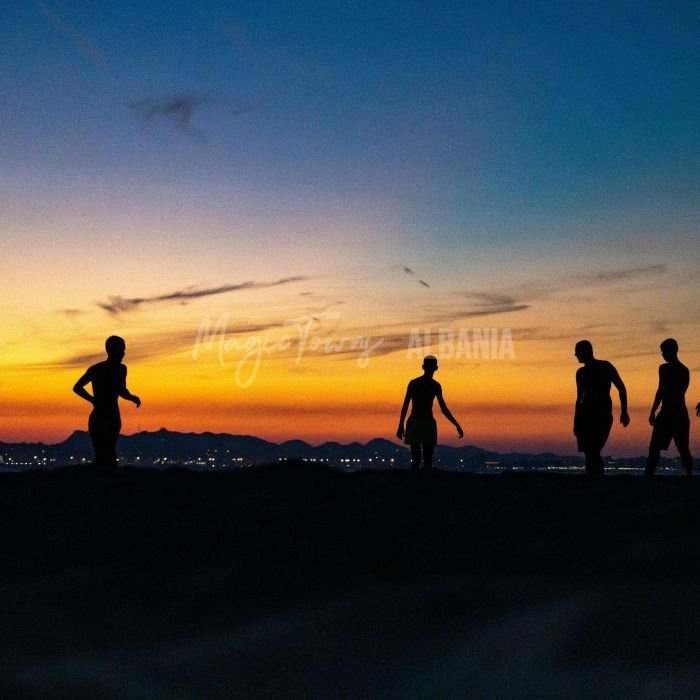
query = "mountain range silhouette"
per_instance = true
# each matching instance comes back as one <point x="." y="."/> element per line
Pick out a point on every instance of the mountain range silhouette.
<point x="180" y="448"/>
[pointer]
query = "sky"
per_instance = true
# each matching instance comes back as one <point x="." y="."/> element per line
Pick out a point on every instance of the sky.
<point x="282" y="206"/>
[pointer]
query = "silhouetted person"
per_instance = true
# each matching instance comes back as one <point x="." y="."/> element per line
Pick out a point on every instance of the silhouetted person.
<point x="108" y="384"/>
<point x="672" y="421"/>
<point x="421" y="428"/>
<point x="593" y="417"/>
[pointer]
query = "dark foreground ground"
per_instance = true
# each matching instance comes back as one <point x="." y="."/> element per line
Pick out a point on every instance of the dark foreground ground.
<point x="293" y="581"/>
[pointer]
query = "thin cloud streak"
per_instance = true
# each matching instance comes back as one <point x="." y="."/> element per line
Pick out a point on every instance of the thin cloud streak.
<point x="118" y="304"/>
<point x="489" y="303"/>
<point x="609" y="276"/>
<point x="147" y="347"/>
<point x="78" y="40"/>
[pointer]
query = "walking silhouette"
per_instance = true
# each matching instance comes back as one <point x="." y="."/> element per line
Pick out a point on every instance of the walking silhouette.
<point x="421" y="429"/>
<point x="593" y="417"/>
<point x="672" y="421"/>
<point x="108" y="380"/>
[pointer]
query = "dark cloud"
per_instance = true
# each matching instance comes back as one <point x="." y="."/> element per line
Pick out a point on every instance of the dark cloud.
<point x="119" y="304"/>
<point x="177" y="111"/>
<point x="62" y="27"/>
<point x="73" y="313"/>
<point x="407" y="270"/>
<point x="487" y="304"/>
<point x="608" y="276"/>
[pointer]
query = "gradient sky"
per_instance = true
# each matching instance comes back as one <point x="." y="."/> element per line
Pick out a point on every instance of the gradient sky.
<point x="534" y="164"/>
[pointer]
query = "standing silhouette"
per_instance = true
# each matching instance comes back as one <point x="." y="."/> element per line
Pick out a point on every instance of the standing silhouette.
<point x="421" y="429"/>
<point x="108" y="380"/>
<point x="593" y="417"/>
<point x="672" y="421"/>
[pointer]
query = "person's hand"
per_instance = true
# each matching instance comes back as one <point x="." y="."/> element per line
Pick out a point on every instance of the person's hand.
<point x="624" y="419"/>
<point x="400" y="433"/>
<point x="137" y="401"/>
<point x="652" y="419"/>
<point x="460" y="432"/>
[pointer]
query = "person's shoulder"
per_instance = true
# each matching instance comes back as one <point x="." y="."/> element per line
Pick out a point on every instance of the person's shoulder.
<point x="97" y="367"/>
<point x="682" y="368"/>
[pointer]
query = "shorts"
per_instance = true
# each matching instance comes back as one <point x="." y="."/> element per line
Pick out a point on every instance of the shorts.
<point x="667" y="428"/>
<point x="592" y="432"/>
<point x="420" y="430"/>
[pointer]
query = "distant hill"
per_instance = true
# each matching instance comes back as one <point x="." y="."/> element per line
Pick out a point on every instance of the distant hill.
<point x="222" y="450"/>
<point x="201" y="450"/>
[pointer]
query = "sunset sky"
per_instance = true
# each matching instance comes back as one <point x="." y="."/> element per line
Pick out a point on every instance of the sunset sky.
<point x="354" y="172"/>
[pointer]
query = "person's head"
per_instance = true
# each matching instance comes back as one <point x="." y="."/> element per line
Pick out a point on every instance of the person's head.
<point x="583" y="351"/>
<point x="430" y="364"/>
<point x="669" y="349"/>
<point x="115" y="347"/>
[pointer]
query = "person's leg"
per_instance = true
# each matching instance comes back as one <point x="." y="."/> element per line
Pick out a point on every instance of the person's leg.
<point x="594" y="462"/>
<point x="682" y="439"/>
<point x="104" y="433"/>
<point x="653" y="458"/>
<point x="428" y="448"/>
<point x="660" y="440"/>
<point x="113" y="429"/>
<point x="599" y="466"/>
<point x="96" y="437"/>
<point x="415" y="457"/>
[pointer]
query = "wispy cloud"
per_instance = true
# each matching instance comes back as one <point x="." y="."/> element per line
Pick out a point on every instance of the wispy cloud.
<point x="152" y="345"/>
<point x="177" y="111"/>
<point x="486" y="304"/>
<point x="62" y="27"/>
<point x="118" y="304"/>
<point x="623" y="274"/>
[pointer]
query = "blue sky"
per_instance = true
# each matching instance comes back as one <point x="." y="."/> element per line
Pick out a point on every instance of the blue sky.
<point x="507" y="149"/>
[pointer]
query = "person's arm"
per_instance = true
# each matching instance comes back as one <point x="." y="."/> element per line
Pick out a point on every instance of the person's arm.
<point x="126" y="394"/>
<point x="622" y="391"/>
<point x="404" y="410"/>
<point x="657" y="401"/>
<point x="79" y="387"/>
<point x="579" y="392"/>
<point x="446" y="412"/>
